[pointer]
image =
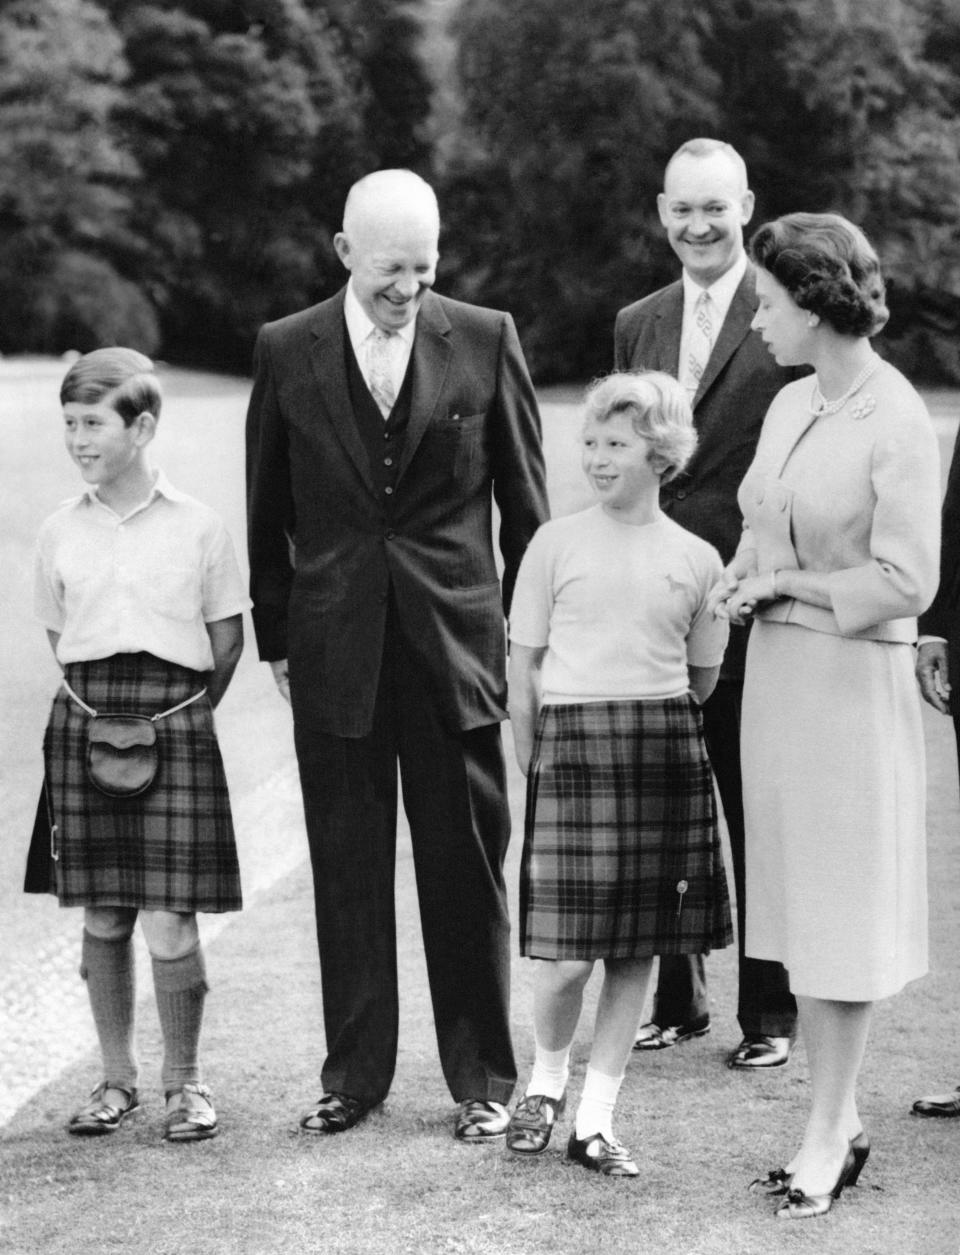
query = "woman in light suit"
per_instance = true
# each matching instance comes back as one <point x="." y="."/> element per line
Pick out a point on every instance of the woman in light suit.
<point x="839" y="554"/>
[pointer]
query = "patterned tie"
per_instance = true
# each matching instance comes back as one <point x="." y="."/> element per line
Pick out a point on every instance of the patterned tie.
<point x="701" y="343"/>
<point x="379" y="361"/>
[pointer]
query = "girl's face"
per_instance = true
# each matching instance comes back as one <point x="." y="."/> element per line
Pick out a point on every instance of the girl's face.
<point x="102" y="445"/>
<point x="784" y="327"/>
<point x="617" y="462"/>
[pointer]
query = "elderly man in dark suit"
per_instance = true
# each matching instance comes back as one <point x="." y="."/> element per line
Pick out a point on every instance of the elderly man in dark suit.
<point x="382" y="423"/>
<point x="938" y="662"/>
<point x="698" y="329"/>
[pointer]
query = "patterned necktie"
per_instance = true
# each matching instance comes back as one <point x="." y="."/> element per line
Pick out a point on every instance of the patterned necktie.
<point x="700" y="344"/>
<point x="379" y="361"/>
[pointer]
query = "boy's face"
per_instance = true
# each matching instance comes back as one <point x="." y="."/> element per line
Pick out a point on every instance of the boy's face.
<point x="617" y="462"/>
<point x="101" y="444"/>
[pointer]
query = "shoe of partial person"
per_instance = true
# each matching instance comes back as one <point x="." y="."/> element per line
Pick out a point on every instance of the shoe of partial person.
<point x="480" y="1120"/>
<point x="190" y="1115"/>
<point x="760" y="1052"/>
<point x="97" y="1117"/>
<point x="532" y="1122"/>
<point x="800" y="1206"/>
<point x="652" y="1037"/>
<point x="860" y="1148"/>
<point x="777" y="1181"/>
<point x="334" y="1113"/>
<point x="943" y="1105"/>
<point x="611" y="1159"/>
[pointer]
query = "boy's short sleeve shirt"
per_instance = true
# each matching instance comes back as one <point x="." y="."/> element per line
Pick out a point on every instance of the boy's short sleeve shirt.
<point x="621" y="609"/>
<point x="149" y="581"/>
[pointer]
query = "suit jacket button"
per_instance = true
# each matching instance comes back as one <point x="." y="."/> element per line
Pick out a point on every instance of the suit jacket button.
<point x="388" y="490"/>
<point x="681" y="494"/>
<point x="389" y="535"/>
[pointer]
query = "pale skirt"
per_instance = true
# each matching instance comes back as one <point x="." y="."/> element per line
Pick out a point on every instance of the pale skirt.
<point x="834" y="802"/>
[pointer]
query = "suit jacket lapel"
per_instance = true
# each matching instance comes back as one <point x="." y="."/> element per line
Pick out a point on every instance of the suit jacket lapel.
<point x="669" y="327"/>
<point x="735" y="329"/>
<point x="328" y="359"/>
<point x="430" y="362"/>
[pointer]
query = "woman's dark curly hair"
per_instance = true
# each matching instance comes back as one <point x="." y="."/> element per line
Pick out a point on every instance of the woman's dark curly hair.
<point x="828" y="266"/>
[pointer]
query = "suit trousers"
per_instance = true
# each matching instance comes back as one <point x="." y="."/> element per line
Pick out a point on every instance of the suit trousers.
<point x="765" y="1005"/>
<point x="454" y="794"/>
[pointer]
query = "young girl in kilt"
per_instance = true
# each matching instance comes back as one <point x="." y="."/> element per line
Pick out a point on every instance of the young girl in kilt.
<point x="612" y="649"/>
<point x="140" y="593"/>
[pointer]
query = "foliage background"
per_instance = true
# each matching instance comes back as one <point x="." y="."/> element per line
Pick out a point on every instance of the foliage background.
<point x="172" y="174"/>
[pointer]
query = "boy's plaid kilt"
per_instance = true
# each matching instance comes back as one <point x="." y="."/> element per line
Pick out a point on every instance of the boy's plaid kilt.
<point x="171" y="849"/>
<point x="621" y="854"/>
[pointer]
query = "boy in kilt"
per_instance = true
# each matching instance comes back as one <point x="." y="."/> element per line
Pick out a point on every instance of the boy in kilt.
<point x="613" y="649"/>
<point x="138" y="587"/>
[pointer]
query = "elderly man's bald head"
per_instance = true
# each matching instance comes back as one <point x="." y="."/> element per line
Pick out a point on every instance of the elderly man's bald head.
<point x="389" y="194"/>
<point x="389" y="243"/>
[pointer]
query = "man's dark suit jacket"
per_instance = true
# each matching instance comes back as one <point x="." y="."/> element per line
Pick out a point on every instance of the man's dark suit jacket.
<point x="735" y="392"/>
<point x="474" y="426"/>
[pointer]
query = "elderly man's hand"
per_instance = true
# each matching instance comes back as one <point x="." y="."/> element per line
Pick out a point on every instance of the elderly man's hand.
<point x="279" y="670"/>
<point x="933" y="675"/>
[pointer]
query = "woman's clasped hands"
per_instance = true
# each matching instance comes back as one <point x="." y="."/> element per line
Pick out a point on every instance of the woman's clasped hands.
<point x="737" y="594"/>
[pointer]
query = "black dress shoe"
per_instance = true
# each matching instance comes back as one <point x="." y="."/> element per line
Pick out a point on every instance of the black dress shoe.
<point x="943" y="1105"/>
<point x="596" y="1153"/>
<point x="480" y="1120"/>
<point x="760" y="1052"/>
<point x="652" y="1037"/>
<point x="334" y="1113"/>
<point x="531" y="1124"/>
<point x="800" y="1206"/>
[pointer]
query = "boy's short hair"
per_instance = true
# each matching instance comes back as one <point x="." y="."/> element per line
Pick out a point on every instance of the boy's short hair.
<point x="659" y="410"/>
<point x="125" y="376"/>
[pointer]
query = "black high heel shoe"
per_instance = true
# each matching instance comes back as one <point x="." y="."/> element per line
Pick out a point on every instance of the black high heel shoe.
<point x="860" y="1148"/>
<point x="800" y="1206"/>
<point x="777" y="1181"/>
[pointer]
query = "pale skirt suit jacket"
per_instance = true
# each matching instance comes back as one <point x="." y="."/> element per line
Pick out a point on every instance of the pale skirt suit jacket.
<point x="832" y="745"/>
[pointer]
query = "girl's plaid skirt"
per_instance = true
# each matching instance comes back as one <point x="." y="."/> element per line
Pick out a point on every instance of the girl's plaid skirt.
<point x="171" y="849"/>
<point x="621" y="855"/>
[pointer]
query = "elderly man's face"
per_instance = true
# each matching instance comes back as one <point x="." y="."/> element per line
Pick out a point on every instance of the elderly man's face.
<point x="392" y="259"/>
<point x="704" y="206"/>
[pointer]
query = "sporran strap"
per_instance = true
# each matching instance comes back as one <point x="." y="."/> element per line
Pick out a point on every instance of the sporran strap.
<point x="153" y="718"/>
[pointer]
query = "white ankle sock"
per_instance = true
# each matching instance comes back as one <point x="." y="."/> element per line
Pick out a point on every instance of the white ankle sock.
<point x="599" y="1097"/>
<point x="550" y="1071"/>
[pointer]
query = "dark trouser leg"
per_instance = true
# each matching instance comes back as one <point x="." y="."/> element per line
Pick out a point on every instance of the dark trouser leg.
<point x="454" y="792"/>
<point x="765" y="1006"/>
<point x="350" y="802"/>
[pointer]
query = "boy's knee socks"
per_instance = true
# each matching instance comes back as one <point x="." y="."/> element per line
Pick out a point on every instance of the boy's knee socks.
<point x="108" y="968"/>
<point x="180" y="986"/>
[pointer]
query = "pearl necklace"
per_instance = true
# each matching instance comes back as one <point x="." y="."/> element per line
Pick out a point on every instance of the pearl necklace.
<point x="820" y="405"/>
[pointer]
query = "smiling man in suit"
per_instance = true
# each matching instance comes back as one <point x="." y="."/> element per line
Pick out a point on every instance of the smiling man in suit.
<point x="698" y="329"/>
<point x="382" y="424"/>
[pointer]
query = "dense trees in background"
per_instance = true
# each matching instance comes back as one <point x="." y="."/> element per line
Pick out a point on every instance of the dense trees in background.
<point x="174" y="172"/>
<point x="567" y="124"/>
<point x="171" y="174"/>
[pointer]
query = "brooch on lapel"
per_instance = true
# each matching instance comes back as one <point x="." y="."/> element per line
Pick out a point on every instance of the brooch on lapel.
<point x="863" y="406"/>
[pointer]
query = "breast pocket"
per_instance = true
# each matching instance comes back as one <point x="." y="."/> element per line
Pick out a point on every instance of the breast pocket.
<point x="455" y="444"/>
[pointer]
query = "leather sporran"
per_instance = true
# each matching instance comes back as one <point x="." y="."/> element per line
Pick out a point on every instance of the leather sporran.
<point x="122" y="754"/>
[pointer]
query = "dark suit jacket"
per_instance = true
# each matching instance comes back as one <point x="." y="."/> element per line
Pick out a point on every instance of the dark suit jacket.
<point x="740" y="381"/>
<point x="328" y="550"/>
<point x="943" y="616"/>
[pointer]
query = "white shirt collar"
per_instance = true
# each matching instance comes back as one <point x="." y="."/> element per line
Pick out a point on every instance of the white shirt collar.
<point x="161" y="488"/>
<point x="721" y="292"/>
<point x="359" y="325"/>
